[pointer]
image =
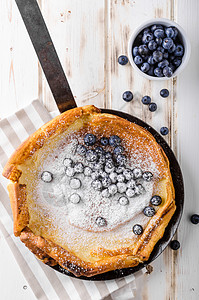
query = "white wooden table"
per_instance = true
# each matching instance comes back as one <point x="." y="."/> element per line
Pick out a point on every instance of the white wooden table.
<point x="89" y="36"/>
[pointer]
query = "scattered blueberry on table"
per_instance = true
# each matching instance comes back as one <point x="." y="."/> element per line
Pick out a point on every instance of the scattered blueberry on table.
<point x="146" y="100"/>
<point x="123" y="60"/>
<point x="175" y="245"/>
<point x="195" y="219"/>
<point x="152" y="106"/>
<point x="127" y="96"/>
<point x="164" y="93"/>
<point x="164" y="130"/>
<point x="159" y="47"/>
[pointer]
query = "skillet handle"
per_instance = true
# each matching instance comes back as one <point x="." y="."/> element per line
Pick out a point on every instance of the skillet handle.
<point x="47" y="55"/>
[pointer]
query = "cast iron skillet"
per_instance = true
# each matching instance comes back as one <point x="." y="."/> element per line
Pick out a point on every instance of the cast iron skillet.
<point x="173" y="224"/>
<point x="61" y="91"/>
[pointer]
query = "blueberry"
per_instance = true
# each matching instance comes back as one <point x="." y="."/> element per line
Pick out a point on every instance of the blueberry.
<point x="138" y="60"/>
<point x="123" y="200"/>
<point x="105" y="193"/>
<point x="113" y="177"/>
<point x="166" y="55"/>
<point x="137" y="173"/>
<point x="123" y="60"/>
<point x="146" y="58"/>
<point x="104" y="141"/>
<point x="89" y="139"/>
<point x="151" y="71"/>
<point x="143" y="50"/>
<point x="70" y="171"/>
<point x="106" y="181"/>
<point x="169" y="32"/>
<point x="151" y="60"/>
<point x="109" y="164"/>
<point x="164" y="130"/>
<point x="130" y="192"/>
<point x="99" y="150"/>
<point x="152" y="106"/>
<point x="137" y="229"/>
<point x="120" y="169"/>
<point x="120" y="178"/>
<point x="147" y="176"/>
<point x="171" y="57"/>
<point x="152" y="45"/>
<point x="112" y="189"/>
<point x="118" y="150"/>
<point x="114" y="140"/>
<point x="179" y="50"/>
<point x="127" y="174"/>
<point x="175" y="32"/>
<point x="146" y="100"/>
<point x="173" y="68"/>
<point x="158" y="41"/>
<point x="87" y="171"/>
<point x="47" y="176"/>
<point x="101" y="222"/>
<point x="131" y="185"/>
<point x="121" y="159"/>
<point x="146" y="30"/>
<point x="177" y="61"/>
<point x="149" y="211"/>
<point x="135" y="51"/>
<point x="145" y="67"/>
<point x="75" y="183"/>
<point x="175" y="245"/>
<point x="156" y="200"/>
<point x="91" y="155"/>
<point x="159" y="33"/>
<point x="147" y="37"/>
<point x="67" y="162"/>
<point x="195" y="219"/>
<point x="164" y="93"/>
<point x="167" y="43"/>
<point x="121" y="187"/>
<point x="156" y="26"/>
<point x="167" y="71"/>
<point x="172" y="49"/>
<point x="79" y="167"/>
<point x="163" y="63"/>
<point x="96" y="184"/>
<point x="81" y="150"/>
<point x="157" y="55"/>
<point x="108" y="155"/>
<point x="127" y="96"/>
<point x="161" y="49"/>
<point x="74" y="198"/>
<point x="158" y="72"/>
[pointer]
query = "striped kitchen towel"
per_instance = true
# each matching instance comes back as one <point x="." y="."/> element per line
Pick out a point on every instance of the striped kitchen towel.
<point x="45" y="282"/>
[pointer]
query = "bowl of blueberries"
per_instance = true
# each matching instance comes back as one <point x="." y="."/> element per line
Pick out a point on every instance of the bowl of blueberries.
<point x="159" y="49"/>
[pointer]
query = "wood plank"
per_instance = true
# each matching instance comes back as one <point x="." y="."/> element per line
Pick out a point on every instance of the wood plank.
<point x="125" y="16"/>
<point x="188" y="123"/>
<point x="77" y="30"/>
<point x="18" y="63"/>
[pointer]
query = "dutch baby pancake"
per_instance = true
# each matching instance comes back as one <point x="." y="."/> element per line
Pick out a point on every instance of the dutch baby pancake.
<point x="91" y="192"/>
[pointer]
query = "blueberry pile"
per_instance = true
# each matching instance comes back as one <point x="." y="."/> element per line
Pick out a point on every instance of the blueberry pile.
<point x="109" y="174"/>
<point x="108" y="169"/>
<point x="158" y="51"/>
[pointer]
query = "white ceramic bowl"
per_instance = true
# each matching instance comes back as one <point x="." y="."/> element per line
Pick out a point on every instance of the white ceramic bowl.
<point x="182" y="35"/>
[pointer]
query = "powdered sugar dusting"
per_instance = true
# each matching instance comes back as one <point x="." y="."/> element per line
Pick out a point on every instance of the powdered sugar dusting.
<point x="72" y="224"/>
